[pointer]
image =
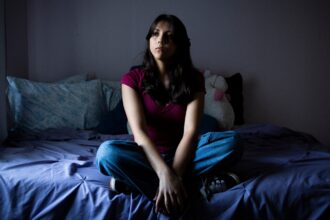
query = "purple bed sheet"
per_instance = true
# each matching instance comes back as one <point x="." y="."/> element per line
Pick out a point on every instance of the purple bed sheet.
<point x="285" y="175"/>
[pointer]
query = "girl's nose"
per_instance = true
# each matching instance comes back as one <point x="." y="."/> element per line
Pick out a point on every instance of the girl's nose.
<point x="163" y="40"/>
<point x="160" y="40"/>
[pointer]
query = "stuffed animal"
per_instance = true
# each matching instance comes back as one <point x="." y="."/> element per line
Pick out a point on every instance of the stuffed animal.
<point x="216" y="104"/>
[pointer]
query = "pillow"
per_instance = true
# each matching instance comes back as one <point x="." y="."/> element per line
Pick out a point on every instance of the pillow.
<point x="114" y="121"/>
<point x="112" y="93"/>
<point x="38" y="106"/>
<point x="234" y="94"/>
<point x="74" y="79"/>
<point x="78" y="78"/>
<point x="70" y="79"/>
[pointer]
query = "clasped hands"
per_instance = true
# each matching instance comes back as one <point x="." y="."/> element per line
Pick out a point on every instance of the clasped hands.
<point x="171" y="194"/>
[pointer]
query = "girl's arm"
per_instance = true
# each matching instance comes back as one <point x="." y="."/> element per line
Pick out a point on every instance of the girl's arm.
<point x="187" y="146"/>
<point x="136" y="118"/>
<point x="171" y="192"/>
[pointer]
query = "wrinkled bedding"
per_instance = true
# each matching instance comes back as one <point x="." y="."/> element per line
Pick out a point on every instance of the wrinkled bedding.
<point x="285" y="175"/>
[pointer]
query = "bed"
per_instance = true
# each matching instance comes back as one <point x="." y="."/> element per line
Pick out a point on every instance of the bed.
<point x="50" y="173"/>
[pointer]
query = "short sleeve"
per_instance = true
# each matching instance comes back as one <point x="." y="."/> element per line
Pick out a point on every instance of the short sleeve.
<point x="133" y="79"/>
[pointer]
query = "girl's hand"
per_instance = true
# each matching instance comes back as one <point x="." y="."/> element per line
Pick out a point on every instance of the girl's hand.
<point x="171" y="193"/>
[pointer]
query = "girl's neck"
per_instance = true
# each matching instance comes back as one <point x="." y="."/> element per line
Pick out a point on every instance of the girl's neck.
<point x="163" y="74"/>
<point x="162" y="68"/>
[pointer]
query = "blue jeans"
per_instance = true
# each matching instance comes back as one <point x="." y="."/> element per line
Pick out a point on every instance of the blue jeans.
<point x="126" y="161"/>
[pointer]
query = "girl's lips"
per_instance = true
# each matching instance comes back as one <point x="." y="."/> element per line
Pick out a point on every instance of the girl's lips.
<point x="159" y="49"/>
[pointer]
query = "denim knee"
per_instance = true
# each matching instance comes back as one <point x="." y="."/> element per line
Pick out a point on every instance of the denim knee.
<point x="217" y="151"/>
<point x="107" y="154"/>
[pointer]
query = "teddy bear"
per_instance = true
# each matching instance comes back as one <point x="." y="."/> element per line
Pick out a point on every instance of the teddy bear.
<point x="216" y="103"/>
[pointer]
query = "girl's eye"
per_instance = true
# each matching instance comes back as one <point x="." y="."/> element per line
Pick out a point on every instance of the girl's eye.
<point x="169" y="36"/>
<point x="155" y="34"/>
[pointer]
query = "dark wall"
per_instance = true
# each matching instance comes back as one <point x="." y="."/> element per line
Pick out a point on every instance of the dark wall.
<point x="16" y="37"/>
<point x="281" y="47"/>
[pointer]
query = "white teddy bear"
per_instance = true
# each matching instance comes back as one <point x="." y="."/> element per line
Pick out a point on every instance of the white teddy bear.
<point x="216" y="104"/>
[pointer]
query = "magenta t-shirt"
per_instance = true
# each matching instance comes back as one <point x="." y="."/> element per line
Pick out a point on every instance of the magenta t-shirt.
<point x="164" y="122"/>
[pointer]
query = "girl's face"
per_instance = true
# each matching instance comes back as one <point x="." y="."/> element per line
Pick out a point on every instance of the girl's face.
<point x="161" y="43"/>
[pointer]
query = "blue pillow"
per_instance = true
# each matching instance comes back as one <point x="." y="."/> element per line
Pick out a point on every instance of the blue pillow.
<point x="74" y="79"/>
<point x="112" y="93"/>
<point x="114" y="121"/>
<point x="38" y="106"/>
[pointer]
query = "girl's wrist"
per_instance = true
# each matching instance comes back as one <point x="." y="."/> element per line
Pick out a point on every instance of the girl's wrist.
<point x="162" y="171"/>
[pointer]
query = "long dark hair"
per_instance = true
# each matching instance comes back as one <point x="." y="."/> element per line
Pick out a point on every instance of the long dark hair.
<point x="182" y="74"/>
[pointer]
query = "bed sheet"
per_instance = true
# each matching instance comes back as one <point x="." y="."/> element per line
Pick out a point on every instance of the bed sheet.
<point x="285" y="175"/>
